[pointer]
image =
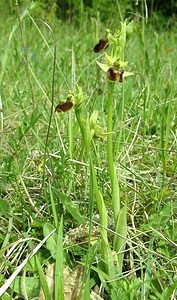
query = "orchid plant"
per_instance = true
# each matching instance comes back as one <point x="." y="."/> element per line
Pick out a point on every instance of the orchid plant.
<point x="115" y="68"/>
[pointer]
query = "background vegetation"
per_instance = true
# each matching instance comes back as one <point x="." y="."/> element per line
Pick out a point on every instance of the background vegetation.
<point x="48" y="180"/>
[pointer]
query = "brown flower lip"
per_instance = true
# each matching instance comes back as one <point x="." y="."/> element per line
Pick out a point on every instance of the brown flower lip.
<point x="102" y="45"/>
<point x="64" y="106"/>
<point x="115" y="74"/>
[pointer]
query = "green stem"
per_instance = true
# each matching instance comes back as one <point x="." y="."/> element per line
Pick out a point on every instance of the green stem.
<point x="121" y="118"/>
<point x="120" y="214"/>
<point x="110" y="156"/>
<point x="70" y="133"/>
<point x="109" y="130"/>
<point x="85" y="131"/>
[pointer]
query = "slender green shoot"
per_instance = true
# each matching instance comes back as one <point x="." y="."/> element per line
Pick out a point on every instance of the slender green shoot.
<point x="59" y="264"/>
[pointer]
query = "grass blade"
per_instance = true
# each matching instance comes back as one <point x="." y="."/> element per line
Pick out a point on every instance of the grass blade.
<point x="43" y="281"/>
<point x="59" y="279"/>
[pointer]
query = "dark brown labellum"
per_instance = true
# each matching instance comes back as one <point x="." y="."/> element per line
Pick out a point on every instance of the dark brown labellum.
<point x="115" y="74"/>
<point x="64" y="106"/>
<point x="112" y="74"/>
<point x="102" y="45"/>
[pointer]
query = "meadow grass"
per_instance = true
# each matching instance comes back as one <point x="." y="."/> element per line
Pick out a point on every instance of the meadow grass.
<point x="55" y="172"/>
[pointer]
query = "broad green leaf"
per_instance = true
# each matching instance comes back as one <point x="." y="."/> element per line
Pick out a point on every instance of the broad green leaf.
<point x="31" y="284"/>
<point x="51" y="242"/>
<point x="72" y="208"/>
<point x="6" y="296"/>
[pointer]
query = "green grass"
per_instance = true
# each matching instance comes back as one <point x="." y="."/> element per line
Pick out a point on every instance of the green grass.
<point x="75" y="194"/>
